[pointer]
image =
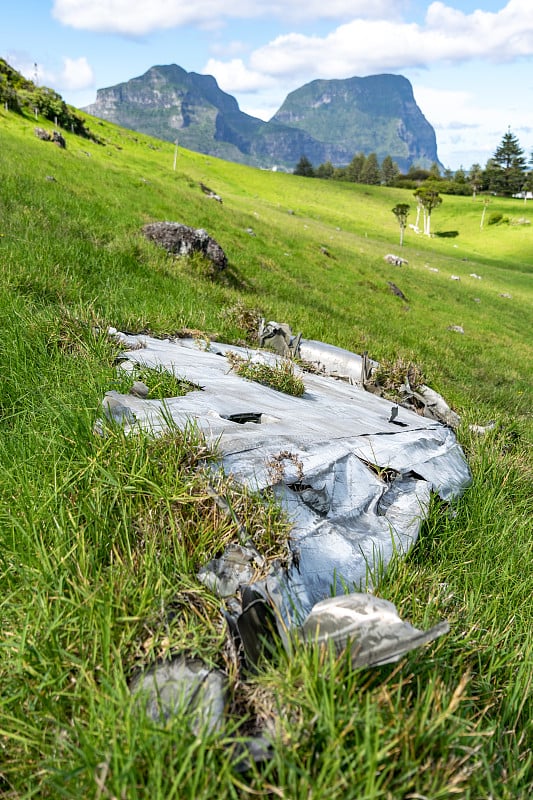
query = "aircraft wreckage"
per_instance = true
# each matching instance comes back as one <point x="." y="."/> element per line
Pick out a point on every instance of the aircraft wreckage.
<point x="353" y="472"/>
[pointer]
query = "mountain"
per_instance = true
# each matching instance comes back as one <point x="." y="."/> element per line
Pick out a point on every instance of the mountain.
<point x="326" y="120"/>
<point x="377" y="114"/>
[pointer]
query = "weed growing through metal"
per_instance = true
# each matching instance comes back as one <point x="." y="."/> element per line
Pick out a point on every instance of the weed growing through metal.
<point x="280" y="376"/>
<point x="391" y="376"/>
<point x="161" y="383"/>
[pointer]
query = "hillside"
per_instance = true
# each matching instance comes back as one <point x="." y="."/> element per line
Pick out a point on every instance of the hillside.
<point x="325" y="120"/>
<point x="101" y="537"/>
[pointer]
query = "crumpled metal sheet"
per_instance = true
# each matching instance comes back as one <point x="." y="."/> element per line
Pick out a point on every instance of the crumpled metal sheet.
<point x="354" y="475"/>
<point x="369" y="626"/>
<point x="183" y="686"/>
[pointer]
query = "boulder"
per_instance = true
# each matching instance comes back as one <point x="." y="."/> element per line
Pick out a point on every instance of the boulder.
<point x="46" y="136"/>
<point x="181" y="240"/>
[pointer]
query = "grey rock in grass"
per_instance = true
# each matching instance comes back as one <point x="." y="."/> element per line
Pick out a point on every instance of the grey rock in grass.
<point x="397" y="261"/>
<point x="55" y="137"/>
<point x="181" y="240"/>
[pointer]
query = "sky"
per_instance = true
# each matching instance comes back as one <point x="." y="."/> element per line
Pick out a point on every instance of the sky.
<point x="470" y="62"/>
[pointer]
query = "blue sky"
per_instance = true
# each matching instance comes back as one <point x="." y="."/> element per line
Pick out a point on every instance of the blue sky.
<point x="470" y="61"/>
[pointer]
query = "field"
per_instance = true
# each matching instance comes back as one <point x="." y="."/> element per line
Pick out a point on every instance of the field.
<point x="101" y="538"/>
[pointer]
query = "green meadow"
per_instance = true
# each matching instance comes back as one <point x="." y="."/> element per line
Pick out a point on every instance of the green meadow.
<point x="101" y="538"/>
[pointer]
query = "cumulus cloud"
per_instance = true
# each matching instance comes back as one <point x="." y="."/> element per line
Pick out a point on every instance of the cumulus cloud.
<point x="467" y="130"/>
<point x="234" y="76"/>
<point x="73" y="75"/>
<point x="76" y="74"/>
<point x="362" y="46"/>
<point x="139" y="17"/>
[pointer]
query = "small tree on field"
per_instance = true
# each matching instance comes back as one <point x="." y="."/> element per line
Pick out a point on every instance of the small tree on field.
<point x="304" y="167"/>
<point x="428" y="198"/>
<point x="401" y="212"/>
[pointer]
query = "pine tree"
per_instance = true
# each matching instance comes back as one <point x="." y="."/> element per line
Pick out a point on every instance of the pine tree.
<point x="355" y="168"/>
<point x="507" y="169"/>
<point x="371" y="173"/>
<point x="304" y="167"/>
<point x="475" y="178"/>
<point x="325" y="170"/>
<point x="389" y="171"/>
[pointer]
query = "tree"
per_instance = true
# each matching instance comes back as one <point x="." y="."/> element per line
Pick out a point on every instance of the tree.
<point x="304" y="168"/>
<point x="355" y="168"/>
<point x="371" y="173"/>
<point x="434" y="170"/>
<point x="417" y="174"/>
<point x="428" y="198"/>
<point x="325" y="170"/>
<point x="507" y="169"/>
<point x="389" y="171"/>
<point x="475" y="178"/>
<point x="401" y="212"/>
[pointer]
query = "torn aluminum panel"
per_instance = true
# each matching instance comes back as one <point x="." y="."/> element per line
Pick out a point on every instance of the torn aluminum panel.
<point x="183" y="685"/>
<point x="354" y="478"/>
<point x="369" y="626"/>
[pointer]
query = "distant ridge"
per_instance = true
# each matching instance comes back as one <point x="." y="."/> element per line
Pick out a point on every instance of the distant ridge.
<point x="326" y="120"/>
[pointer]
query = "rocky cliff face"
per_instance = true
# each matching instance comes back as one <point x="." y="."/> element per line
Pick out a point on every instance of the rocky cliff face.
<point x="324" y="120"/>
<point x="376" y="114"/>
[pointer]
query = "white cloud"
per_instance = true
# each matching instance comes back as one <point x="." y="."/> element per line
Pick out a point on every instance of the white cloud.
<point x="139" y="17"/>
<point x="467" y="130"/>
<point x="364" y="46"/>
<point x="77" y="74"/>
<point x="234" y="76"/>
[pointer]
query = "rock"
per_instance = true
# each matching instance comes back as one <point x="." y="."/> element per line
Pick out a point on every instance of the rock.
<point x="42" y="134"/>
<point x="390" y="258"/>
<point x="455" y="278"/>
<point x="139" y="389"/>
<point x="397" y="291"/>
<point x="210" y="193"/>
<point x="56" y="137"/>
<point x="181" y="240"/>
<point x="482" y="429"/>
<point x="456" y="328"/>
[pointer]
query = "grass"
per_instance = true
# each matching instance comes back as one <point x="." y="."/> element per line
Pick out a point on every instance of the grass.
<point x="280" y="376"/>
<point x="101" y="537"/>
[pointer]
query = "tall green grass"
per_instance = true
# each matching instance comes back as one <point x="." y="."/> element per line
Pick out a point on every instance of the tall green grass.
<point x="101" y="537"/>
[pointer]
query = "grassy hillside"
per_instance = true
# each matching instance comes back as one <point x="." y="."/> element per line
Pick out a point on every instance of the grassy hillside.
<point x="100" y="539"/>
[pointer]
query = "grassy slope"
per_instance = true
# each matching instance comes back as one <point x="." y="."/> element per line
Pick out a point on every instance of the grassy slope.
<point x="99" y="537"/>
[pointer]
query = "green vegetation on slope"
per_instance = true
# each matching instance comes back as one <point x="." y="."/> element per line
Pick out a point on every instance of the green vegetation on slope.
<point x="101" y="538"/>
